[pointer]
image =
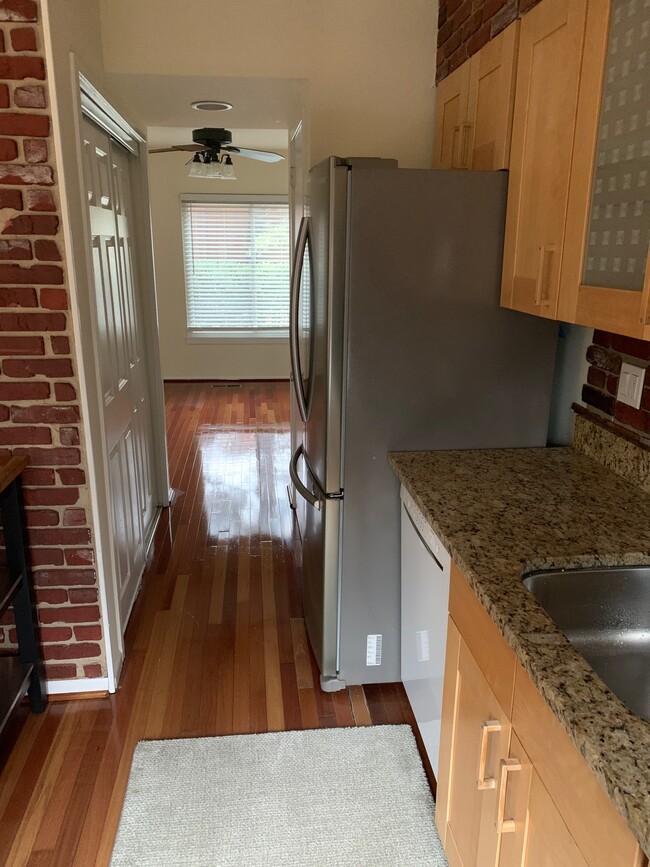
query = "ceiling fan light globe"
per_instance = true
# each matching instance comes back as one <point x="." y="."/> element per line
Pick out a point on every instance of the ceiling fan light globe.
<point x="213" y="170"/>
<point x="228" y="170"/>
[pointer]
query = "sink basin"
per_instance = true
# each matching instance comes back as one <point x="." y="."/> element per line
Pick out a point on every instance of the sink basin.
<point x="605" y="614"/>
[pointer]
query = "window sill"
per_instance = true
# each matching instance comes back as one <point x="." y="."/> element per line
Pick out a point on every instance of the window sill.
<point x="233" y="337"/>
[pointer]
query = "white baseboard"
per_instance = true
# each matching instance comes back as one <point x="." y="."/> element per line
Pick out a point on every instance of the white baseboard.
<point x="83" y="684"/>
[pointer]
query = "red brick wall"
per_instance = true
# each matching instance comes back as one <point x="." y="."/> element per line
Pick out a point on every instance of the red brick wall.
<point x="605" y="357"/>
<point x="464" y="26"/>
<point x="39" y="408"/>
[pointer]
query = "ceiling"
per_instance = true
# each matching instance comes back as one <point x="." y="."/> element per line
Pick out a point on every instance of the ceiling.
<point x="262" y="107"/>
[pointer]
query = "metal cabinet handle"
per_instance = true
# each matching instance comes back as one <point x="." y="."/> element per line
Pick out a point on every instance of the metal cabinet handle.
<point x="506" y="766"/>
<point x="542" y="284"/>
<point x="645" y="303"/>
<point x="487" y="728"/>
<point x="464" y="154"/>
<point x="455" y="147"/>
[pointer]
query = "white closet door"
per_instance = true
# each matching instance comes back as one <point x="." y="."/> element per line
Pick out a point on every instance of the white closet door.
<point x="122" y="358"/>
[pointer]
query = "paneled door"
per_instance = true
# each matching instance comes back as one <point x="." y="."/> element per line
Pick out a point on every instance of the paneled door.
<point x="122" y="359"/>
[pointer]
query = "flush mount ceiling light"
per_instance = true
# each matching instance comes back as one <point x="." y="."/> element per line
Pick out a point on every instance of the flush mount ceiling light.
<point x="211" y="105"/>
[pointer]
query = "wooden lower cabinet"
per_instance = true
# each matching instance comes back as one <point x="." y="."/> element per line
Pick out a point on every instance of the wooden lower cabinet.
<point x="533" y="832"/>
<point x="482" y="735"/>
<point x="485" y="818"/>
<point x="509" y="776"/>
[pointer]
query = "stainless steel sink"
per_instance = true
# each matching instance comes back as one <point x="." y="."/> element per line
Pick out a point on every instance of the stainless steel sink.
<point x="605" y="614"/>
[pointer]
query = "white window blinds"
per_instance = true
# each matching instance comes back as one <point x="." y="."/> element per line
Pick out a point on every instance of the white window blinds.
<point x="237" y="262"/>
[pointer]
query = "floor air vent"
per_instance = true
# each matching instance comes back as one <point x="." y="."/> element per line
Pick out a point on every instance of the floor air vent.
<point x="226" y="385"/>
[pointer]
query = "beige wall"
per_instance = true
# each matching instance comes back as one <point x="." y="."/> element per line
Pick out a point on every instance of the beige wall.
<point x="181" y="360"/>
<point x="370" y="64"/>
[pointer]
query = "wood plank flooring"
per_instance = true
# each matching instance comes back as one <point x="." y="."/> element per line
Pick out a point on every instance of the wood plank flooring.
<point x="216" y="643"/>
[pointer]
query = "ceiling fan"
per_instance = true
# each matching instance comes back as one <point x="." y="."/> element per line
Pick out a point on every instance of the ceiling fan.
<point x="212" y="141"/>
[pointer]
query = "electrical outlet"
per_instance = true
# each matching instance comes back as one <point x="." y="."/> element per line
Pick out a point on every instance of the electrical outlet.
<point x="630" y="384"/>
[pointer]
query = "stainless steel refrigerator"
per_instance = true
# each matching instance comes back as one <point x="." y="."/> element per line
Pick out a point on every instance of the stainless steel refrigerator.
<point x="397" y="343"/>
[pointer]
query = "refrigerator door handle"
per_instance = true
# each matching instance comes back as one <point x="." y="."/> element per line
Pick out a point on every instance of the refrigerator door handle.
<point x="311" y="498"/>
<point x="294" y="313"/>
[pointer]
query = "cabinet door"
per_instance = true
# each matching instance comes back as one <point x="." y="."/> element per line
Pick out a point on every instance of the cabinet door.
<point x="485" y="139"/>
<point x="608" y="221"/>
<point x="549" y="843"/>
<point x="548" y="75"/>
<point x="451" y="118"/>
<point x="513" y="796"/>
<point x="481" y="738"/>
<point x="533" y="833"/>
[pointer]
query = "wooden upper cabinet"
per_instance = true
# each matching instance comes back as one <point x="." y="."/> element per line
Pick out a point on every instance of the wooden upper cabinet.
<point x="491" y="101"/>
<point x="551" y="42"/>
<point x="578" y="219"/>
<point x="452" y="95"/>
<point x="474" y="108"/>
<point x="605" y="278"/>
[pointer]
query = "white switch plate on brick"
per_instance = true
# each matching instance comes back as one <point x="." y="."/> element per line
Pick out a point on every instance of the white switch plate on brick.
<point x="630" y="384"/>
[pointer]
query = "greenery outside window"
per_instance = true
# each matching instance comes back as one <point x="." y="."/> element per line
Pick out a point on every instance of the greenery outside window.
<point x="236" y="253"/>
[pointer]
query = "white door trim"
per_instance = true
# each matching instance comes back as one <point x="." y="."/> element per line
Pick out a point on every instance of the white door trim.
<point x="74" y="210"/>
<point x="105" y="116"/>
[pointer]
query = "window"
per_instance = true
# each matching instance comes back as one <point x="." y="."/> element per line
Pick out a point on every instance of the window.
<point x="237" y="261"/>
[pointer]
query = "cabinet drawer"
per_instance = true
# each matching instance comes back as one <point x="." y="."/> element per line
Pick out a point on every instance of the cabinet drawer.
<point x="488" y="647"/>
<point x="601" y="834"/>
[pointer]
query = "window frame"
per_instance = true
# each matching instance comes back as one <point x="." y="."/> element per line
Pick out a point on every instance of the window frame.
<point x="258" y="336"/>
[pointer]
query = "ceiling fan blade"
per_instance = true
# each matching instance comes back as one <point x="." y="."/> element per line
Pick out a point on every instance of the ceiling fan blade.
<point x="263" y="156"/>
<point x="169" y="150"/>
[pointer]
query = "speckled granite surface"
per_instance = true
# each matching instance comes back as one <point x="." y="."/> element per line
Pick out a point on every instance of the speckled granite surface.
<point x="501" y="513"/>
<point x="625" y="458"/>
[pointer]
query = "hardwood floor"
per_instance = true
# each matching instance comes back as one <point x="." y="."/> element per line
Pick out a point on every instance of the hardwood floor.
<point x="216" y="643"/>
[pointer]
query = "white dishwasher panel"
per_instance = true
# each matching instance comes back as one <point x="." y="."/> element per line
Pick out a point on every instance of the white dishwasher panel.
<point x="425" y="569"/>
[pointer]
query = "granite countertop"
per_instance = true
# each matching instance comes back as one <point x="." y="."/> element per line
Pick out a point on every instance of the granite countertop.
<point x="504" y="512"/>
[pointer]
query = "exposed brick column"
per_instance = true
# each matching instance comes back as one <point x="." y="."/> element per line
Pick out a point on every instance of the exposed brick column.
<point x="466" y="25"/>
<point x="605" y="356"/>
<point x="39" y="408"/>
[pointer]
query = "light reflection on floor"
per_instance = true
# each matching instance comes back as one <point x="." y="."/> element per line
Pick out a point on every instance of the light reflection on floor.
<point x="234" y="461"/>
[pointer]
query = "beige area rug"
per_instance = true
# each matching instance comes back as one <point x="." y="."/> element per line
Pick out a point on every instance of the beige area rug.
<point x="346" y="796"/>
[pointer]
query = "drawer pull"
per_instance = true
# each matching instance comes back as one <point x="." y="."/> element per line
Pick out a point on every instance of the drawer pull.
<point x="543" y="282"/>
<point x="455" y="148"/>
<point x="465" y="154"/>
<point x="507" y="766"/>
<point x="645" y="301"/>
<point x="487" y="728"/>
